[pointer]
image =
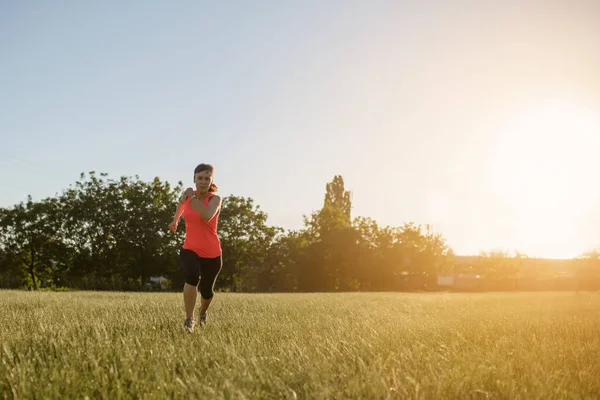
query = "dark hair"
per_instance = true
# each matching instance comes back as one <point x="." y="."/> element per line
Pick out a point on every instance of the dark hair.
<point x="206" y="167"/>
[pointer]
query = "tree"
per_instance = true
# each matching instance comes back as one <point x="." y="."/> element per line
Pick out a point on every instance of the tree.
<point x="500" y="264"/>
<point x="144" y="244"/>
<point x="92" y="212"/>
<point x="379" y="255"/>
<point x="284" y="262"/>
<point x="104" y="233"/>
<point x="339" y="199"/>
<point x="588" y="269"/>
<point x="117" y="229"/>
<point x="245" y="239"/>
<point x="12" y="273"/>
<point x="419" y="255"/>
<point x="28" y="240"/>
<point x="331" y="256"/>
<point x="114" y="232"/>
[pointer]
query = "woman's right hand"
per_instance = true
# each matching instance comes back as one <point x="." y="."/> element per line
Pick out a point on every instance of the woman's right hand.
<point x="173" y="226"/>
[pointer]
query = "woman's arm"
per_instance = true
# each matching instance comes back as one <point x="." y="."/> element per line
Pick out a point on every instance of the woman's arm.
<point x="178" y="212"/>
<point x="182" y="199"/>
<point x="206" y="212"/>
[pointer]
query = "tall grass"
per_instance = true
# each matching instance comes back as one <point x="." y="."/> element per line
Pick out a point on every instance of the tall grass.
<point x="305" y="346"/>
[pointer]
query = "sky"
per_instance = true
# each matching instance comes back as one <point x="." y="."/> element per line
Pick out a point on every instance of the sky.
<point x="479" y="118"/>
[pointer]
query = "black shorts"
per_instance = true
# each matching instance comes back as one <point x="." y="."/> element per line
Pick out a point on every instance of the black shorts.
<point x="199" y="269"/>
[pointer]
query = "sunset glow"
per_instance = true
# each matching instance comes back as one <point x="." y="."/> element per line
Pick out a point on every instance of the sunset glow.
<point x="543" y="172"/>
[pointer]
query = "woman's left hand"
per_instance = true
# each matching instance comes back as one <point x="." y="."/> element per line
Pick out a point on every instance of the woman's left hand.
<point x="189" y="192"/>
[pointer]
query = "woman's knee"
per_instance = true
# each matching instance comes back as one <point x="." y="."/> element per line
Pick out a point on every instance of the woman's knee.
<point x="207" y="293"/>
<point x="192" y="279"/>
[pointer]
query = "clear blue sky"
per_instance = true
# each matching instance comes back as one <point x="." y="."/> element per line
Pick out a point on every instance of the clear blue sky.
<point x="420" y="107"/>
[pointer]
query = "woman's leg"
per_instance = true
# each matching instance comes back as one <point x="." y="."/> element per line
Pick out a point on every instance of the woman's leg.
<point x="209" y="270"/>
<point x="190" y="262"/>
<point x="190" y="294"/>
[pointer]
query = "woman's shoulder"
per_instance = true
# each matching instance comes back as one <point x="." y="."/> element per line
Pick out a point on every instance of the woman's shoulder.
<point x="214" y="195"/>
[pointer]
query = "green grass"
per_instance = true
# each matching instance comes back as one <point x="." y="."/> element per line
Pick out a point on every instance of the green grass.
<point x="305" y="346"/>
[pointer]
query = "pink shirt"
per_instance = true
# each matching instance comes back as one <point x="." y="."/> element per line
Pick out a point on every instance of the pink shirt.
<point x="201" y="236"/>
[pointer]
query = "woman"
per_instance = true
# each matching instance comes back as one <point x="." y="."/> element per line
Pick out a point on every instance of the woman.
<point x="200" y="254"/>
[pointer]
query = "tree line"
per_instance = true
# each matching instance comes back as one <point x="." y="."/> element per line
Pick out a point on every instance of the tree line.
<point x="111" y="234"/>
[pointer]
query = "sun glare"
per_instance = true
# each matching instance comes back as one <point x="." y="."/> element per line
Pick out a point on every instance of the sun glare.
<point x="544" y="170"/>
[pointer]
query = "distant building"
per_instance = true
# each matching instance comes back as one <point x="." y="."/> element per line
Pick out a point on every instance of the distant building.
<point x="157" y="282"/>
<point x="467" y="281"/>
<point x="527" y="274"/>
<point x="445" y="280"/>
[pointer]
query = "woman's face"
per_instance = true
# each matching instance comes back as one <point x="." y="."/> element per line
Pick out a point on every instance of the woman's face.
<point x="203" y="180"/>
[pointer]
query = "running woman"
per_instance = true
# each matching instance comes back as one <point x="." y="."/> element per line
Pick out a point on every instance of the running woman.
<point x="200" y="255"/>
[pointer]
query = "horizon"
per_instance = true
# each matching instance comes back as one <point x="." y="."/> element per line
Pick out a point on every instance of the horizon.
<point x="482" y="122"/>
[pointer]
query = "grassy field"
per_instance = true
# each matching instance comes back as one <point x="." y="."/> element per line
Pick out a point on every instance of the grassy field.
<point x="305" y="346"/>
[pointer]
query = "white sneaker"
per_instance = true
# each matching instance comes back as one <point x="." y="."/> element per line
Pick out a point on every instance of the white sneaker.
<point x="189" y="324"/>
